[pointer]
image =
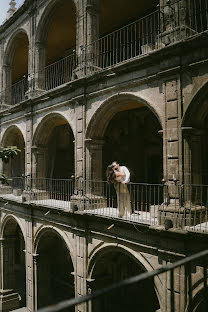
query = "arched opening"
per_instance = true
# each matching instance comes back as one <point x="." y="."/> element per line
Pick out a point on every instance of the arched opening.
<point x="195" y="153"/>
<point x="126" y="130"/>
<point x="54" y="149"/>
<point x="17" y="70"/>
<point x="16" y="166"/>
<point x="132" y="138"/>
<point x="115" y="266"/>
<point x="55" y="280"/>
<point x="59" y="40"/>
<point x="14" y="269"/>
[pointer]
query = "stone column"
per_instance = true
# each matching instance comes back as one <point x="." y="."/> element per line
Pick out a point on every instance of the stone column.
<point x="35" y="277"/>
<point x="80" y="274"/>
<point x="28" y="143"/>
<point x="172" y="154"/>
<point x="187" y="132"/>
<point x="9" y="299"/>
<point x="87" y="33"/>
<point x="39" y="162"/>
<point x="39" y="69"/>
<point x="29" y="265"/>
<point x="6" y="86"/>
<point x="94" y="170"/>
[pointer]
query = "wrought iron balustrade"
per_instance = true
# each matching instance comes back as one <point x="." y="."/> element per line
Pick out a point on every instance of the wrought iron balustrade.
<point x="171" y="22"/>
<point x="60" y="72"/>
<point x="18" y="91"/>
<point x="181" y="206"/>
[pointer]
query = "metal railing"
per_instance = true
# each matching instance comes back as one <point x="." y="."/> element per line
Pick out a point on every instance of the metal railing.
<point x="47" y="192"/>
<point x="60" y="72"/>
<point x="180" y="280"/>
<point x="18" y="91"/>
<point x="169" y="23"/>
<point x="138" y="202"/>
<point x="137" y="38"/>
<point x="179" y="206"/>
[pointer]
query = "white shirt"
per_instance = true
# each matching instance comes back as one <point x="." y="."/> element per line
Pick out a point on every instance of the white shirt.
<point x="124" y="170"/>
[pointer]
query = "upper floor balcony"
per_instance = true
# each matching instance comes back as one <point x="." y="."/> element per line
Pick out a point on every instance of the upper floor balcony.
<point x="116" y="40"/>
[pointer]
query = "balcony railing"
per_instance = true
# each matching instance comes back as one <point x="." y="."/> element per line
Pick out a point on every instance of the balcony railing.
<point x="185" y="207"/>
<point x="170" y="23"/>
<point x="179" y="293"/>
<point x="60" y="72"/>
<point x="18" y="91"/>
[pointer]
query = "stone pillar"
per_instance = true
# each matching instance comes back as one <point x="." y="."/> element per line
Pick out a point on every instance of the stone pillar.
<point x="175" y="20"/>
<point x="29" y="265"/>
<point x="39" y="162"/>
<point x="80" y="274"/>
<point x="39" y="69"/>
<point x="6" y="86"/>
<point x="94" y="170"/>
<point x="172" y="154"/>
<point x="35" y="276"/>
<point x="9" y="299"/>
<point x="28" y="143"/>
<point x="187" y="165"/>
<point x="79" y="140"/>
<point x="77" y="199"/>
<point x="87" y="33"/>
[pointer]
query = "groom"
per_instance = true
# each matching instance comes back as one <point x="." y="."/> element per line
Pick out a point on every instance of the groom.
<point x="123" y="197"/>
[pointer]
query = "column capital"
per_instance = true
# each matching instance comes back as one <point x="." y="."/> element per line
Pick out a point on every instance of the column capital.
<point x="94" y="142"/>
<point x="190" y="131"/>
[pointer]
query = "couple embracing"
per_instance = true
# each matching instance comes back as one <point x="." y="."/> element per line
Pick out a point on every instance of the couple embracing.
<point x="120" y="176"/>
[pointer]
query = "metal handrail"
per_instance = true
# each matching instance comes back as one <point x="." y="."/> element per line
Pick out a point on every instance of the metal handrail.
<point x="132" y="280"/>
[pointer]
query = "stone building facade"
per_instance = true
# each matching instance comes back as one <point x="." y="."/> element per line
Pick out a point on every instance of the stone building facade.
<point x="79" y="89"/>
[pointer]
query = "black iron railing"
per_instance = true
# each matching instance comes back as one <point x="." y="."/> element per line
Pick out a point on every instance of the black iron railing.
<point x="178" y="206"/>
<point x="60" y="72"/>
<point x="177" y="277"/>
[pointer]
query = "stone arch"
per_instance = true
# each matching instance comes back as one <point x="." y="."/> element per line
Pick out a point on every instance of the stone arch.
<point x="53" y="148"/>
<point x="55" y="271"/>
<point x="62" y="235"/>
<point x="9" y="132"/>
<point x="110" y="107"/>
<point x="9" y="51"/>
<point x="46" y="19"/>
<point x="6" y="219"/>
<point x="13" y="262"/>
<point x="198" y="301"/>
<point x="195" y="137"/>
<point x="13" y="136"/>
<point x="122" y="122"/>
<point x="15" y="67"/>
<point x="47" y="122"/>
<point x="108" y="249"/>
<point x="196" y="108"/>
